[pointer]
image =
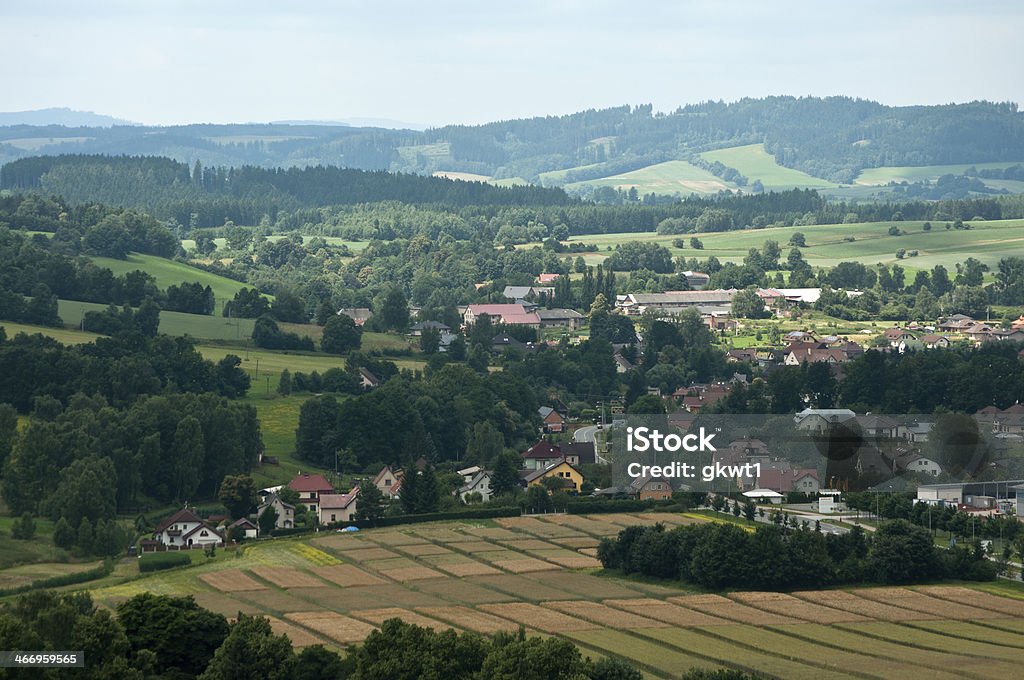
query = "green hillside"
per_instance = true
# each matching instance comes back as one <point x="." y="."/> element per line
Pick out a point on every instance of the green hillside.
<point x="924" y="173"/>
<point x="756" y="163"/>
<point x="168" y="272"/>
<point x="827" y="245"/>
<point x="670" y="177"/>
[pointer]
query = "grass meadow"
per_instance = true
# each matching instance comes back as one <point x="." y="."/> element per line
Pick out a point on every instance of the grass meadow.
<point x="756" y="163"/>
<point x="333" y="589"/>
<point x="670" y="177"/>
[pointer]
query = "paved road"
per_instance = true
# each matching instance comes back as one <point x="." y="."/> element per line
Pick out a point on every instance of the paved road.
<point x="585" y="434"/>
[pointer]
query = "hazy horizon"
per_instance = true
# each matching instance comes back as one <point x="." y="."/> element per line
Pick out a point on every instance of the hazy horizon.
<point x="452" y="63"/>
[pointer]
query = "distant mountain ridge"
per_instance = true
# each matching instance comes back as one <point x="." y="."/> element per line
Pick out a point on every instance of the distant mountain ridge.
<point x="60" y="116"/>
<point x="831" y="138"/>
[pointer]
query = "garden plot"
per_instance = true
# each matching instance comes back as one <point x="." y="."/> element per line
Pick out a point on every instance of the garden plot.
<point x="587" y="586"/>
<point x="499" y="556"/>
<point x="337" y="627"/>
<point x="395" y="538"/>
<point x="407" y="574"/>
<point x="367" y="554"/>
<point x="463" y="591"/>
<point x="469" y="568"/>
<point x="342" y="541"/>
<point x="588" y="525"/>
<point x="299" y="636"/>
<point x="944" y="609"/>
<point x="522" y="587"/>
<point x="525" y="566"/>
<point x="528" y="544"/>
<point x="287" y="577"/>
<point x="787" y="605"/>
<point x="346" y="575"/>
<point x="537" y="527"/>
<point x="974" y="631"/>
<point x="915" y="637"/>
<point x="813" y="653"/>
<point x="603" y="614"/>
<point x="379" y="616"/>
<point x="470" y="619"/>
<point x="848" y="602"/>
<point x="421" y="549"/>
<point x="625" y="520"/>
<point x="575" y="543"/>
<point x="442" y="534"/>
<point x="532" y="616"/>
<point x="476" y="547"/>
<point x="491" y="533"/>
<point x="389" y="564"/>
<point x="568" y="559"/>
<point x="716" y="605"/>
<point x="231" y="581"/>
<point x="371" y="597"/>
<point x="667" y="612"/>
<point x="729" y="653"/>
<point x="278" y="600"/>
<point x="977" y="598"/>
<point x="945" y="661"/>
<point x="665" y="661"/>
<point x="224" y="604"/>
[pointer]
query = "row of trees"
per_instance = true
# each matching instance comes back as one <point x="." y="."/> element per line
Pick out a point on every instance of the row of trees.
<point x="723" y="555"/>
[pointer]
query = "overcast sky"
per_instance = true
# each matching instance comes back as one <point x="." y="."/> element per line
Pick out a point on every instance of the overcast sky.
<point x="183" y="61"/>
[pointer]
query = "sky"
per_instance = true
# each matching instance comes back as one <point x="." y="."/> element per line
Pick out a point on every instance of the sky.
<point x="441" y="62"/>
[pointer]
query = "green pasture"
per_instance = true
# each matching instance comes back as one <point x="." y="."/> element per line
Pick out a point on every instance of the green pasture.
<point x="670" y="177"/>
<point x="988" y="241"/>
<point x="756" y="163"/>
<point x="168" y="272"/>
<point x="923" y="173"/>
<point x="62" y="335"/>
<point x="557" y="176"/>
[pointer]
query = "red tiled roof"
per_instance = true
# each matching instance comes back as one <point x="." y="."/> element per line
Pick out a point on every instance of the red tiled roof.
<point x="307" y="482"/>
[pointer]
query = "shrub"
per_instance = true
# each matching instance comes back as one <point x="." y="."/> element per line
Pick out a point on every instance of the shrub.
<point x="161" y="561"/>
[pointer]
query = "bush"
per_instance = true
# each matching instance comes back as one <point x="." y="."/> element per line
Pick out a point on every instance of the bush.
<point x="161" y="561"/>
<point x="63" y="579"/>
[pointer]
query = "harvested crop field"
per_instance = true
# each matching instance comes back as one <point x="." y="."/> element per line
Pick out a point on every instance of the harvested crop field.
<point x="525" y="566"/>
<point x="368" y="554"/>
<point x="787" y="605"/>
<point x="299" y="636"/>
<point x="231" y="581"/>
<point x="667" y="612"/>
<point x="843" y="601"/>
<point x="909" y="599"/>
<point x="974" y="598"/>
<point x="475" y="576"/>
<point x="337" y="627"/>
<point x="287" y="577"/>
<point x="533" y="616"/>
<point x="470" y="619"/>
<point x="603" y="614"/>
<point x="406" y="574"/>
<point x="716" y="605"/>
<point x="379" y="616"/>
<point x="346" y="575"/>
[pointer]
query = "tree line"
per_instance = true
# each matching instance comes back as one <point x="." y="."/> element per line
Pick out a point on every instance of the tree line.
<point x="772" y="557"/>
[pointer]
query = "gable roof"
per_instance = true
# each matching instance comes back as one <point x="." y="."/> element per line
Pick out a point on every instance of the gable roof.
<point x="270" y="501"/>
<point x="584" y="451"/>
<point x="243" y="522"/>
<point x="338" y="500"/>
<point x="477" y="479"/>
<point x="543" y="450"/>
<point x="537" y="474"/>
<point x="306" y="482"/>
<point x="183" y="515"/>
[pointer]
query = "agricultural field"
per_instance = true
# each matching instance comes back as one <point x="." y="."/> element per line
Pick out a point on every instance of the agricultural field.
<point x="670" y="177"/>
<point x="168" y="272"/>
<point x="333" y="589"/>
<point x="923" y="173"/>
<point x="829" y="244"/>
<point x="756" y="163"/>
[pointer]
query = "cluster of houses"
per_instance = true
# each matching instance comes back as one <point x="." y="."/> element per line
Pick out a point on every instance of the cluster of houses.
<point x="801" y="347"/>
<point x="185" y="530"/>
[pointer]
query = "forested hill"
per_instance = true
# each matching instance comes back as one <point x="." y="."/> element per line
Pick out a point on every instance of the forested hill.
<point x="170" y="189"/>
<point x="831" y="138"/>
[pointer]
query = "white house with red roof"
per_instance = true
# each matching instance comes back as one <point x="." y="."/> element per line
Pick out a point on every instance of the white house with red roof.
<point x="338" y="507"/>
<point x="310" y="488"/>
<point x="541" y="454"/>
<point x="184" y="530"/>
<point x="509" y="314"/>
